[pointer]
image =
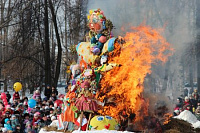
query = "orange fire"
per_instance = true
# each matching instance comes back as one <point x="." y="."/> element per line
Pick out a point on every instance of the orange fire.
<point x="143" y="46"/>
<point x="167" y="118"/>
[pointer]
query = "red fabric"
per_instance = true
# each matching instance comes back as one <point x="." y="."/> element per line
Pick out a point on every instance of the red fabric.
<point x="176" y="108"/>
<point x="185" y="103"/>
<point x="16" y="96"/>
<point x="35" y="120"/>
<point x="1" y="114"/>
<point x="11" y="111"/>
<point x="59" y="102"/>
<point x="86" y="104"/>
<point x="83" y="128"/>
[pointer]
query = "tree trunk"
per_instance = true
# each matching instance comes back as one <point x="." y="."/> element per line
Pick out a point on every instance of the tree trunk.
<point x="198" y="42"/>
<point x="191" y="76"/>
<point x="47" y="48"/>
<point x="59" y="55"/>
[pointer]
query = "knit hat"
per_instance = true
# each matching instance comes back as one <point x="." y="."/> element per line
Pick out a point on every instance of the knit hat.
<point x="6" y="120"/>
<point x="53" y="118"/>
<point x="186" y="98"/>
<point x="13" y="116"/>
<point x="8" y="106"/>
<point x="36" y="114"/>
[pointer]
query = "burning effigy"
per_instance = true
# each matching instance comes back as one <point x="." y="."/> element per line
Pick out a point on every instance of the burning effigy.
<point x="106" y="89"/>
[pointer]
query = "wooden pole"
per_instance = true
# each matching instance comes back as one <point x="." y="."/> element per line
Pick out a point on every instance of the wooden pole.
<point x="89" y="121"/>
<point x="81" y="119"/>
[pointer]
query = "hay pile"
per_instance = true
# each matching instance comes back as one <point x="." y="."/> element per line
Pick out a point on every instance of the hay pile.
<point x="177" y="125"/>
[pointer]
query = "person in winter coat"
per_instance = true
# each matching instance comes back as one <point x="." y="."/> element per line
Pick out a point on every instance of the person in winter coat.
<point x="36" y="118"/>
<point x="28" y="127"/>
<point x="54" y="90"/>
<point x="47" y="92"/>
<point x="14" y="122"/>
<point x="7" y="124"/>
<point x="16" y="96"/>
<point x="18" y="129"/>
<point x="36" y="94"/>
<point x="1" y="111"/>
<point x="195" y="93"/>
<point x="8" y="96"/>
<point x="197" y="113"/>
<point x="44" y="121"/>
<point x="179" y="103"/>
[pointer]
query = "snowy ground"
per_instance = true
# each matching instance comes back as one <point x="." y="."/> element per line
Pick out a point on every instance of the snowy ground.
<point x="99" y="131"/>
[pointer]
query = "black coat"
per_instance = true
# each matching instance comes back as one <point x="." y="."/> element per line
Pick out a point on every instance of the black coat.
<point x="47" y="92"/>
<point x="8" y="96"/>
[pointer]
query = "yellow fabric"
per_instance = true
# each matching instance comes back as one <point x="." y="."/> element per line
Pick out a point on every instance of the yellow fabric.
<point x="101" y="124"/>
<point x="84" y="51"/>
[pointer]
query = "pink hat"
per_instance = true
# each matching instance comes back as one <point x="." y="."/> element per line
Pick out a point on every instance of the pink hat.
<point x="8" y="106"/>
<point x="38" y="113"/>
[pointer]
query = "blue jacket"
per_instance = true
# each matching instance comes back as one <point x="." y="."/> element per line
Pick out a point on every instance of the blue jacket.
<point x="14" y="123"/>
<point x="8" y="127"/>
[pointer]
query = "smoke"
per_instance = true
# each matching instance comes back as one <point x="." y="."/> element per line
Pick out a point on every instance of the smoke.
<point x="177" y="18"/>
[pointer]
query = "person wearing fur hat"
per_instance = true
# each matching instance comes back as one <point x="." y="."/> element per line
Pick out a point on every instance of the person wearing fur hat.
<point x="7" y="124"/>
<point x="14" y="122"/>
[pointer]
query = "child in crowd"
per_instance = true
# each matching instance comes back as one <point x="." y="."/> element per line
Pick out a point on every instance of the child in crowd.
<point x="7" y="124"/>
<point x="36" y="94"/>
<point x="14" y="122"/>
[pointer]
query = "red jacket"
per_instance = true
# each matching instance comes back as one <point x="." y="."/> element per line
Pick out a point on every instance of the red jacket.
<point x="35" y="120"/>
<point x="16" y="96"/>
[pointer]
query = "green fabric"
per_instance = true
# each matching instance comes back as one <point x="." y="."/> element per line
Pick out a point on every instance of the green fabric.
<point x="97" y="78"/>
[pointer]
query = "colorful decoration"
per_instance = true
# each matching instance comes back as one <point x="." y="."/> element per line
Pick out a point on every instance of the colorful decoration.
<point x="86" y="74"/>
<point x="17" y="86"/>
<point x="103" y="122"/>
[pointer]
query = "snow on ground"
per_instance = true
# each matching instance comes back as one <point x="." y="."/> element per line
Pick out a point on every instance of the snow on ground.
<point x="97" y="131"/>
<point x="101" y="131"/>
<point x="43" y="131"/>
<point x="189" y="117"/>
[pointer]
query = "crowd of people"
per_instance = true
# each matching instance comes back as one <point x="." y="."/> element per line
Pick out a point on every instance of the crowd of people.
<point x="18" y="117"/>
<point x="190" y="102"/>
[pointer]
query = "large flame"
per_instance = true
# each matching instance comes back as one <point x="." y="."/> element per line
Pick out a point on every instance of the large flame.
<point x="143" y="46"/>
